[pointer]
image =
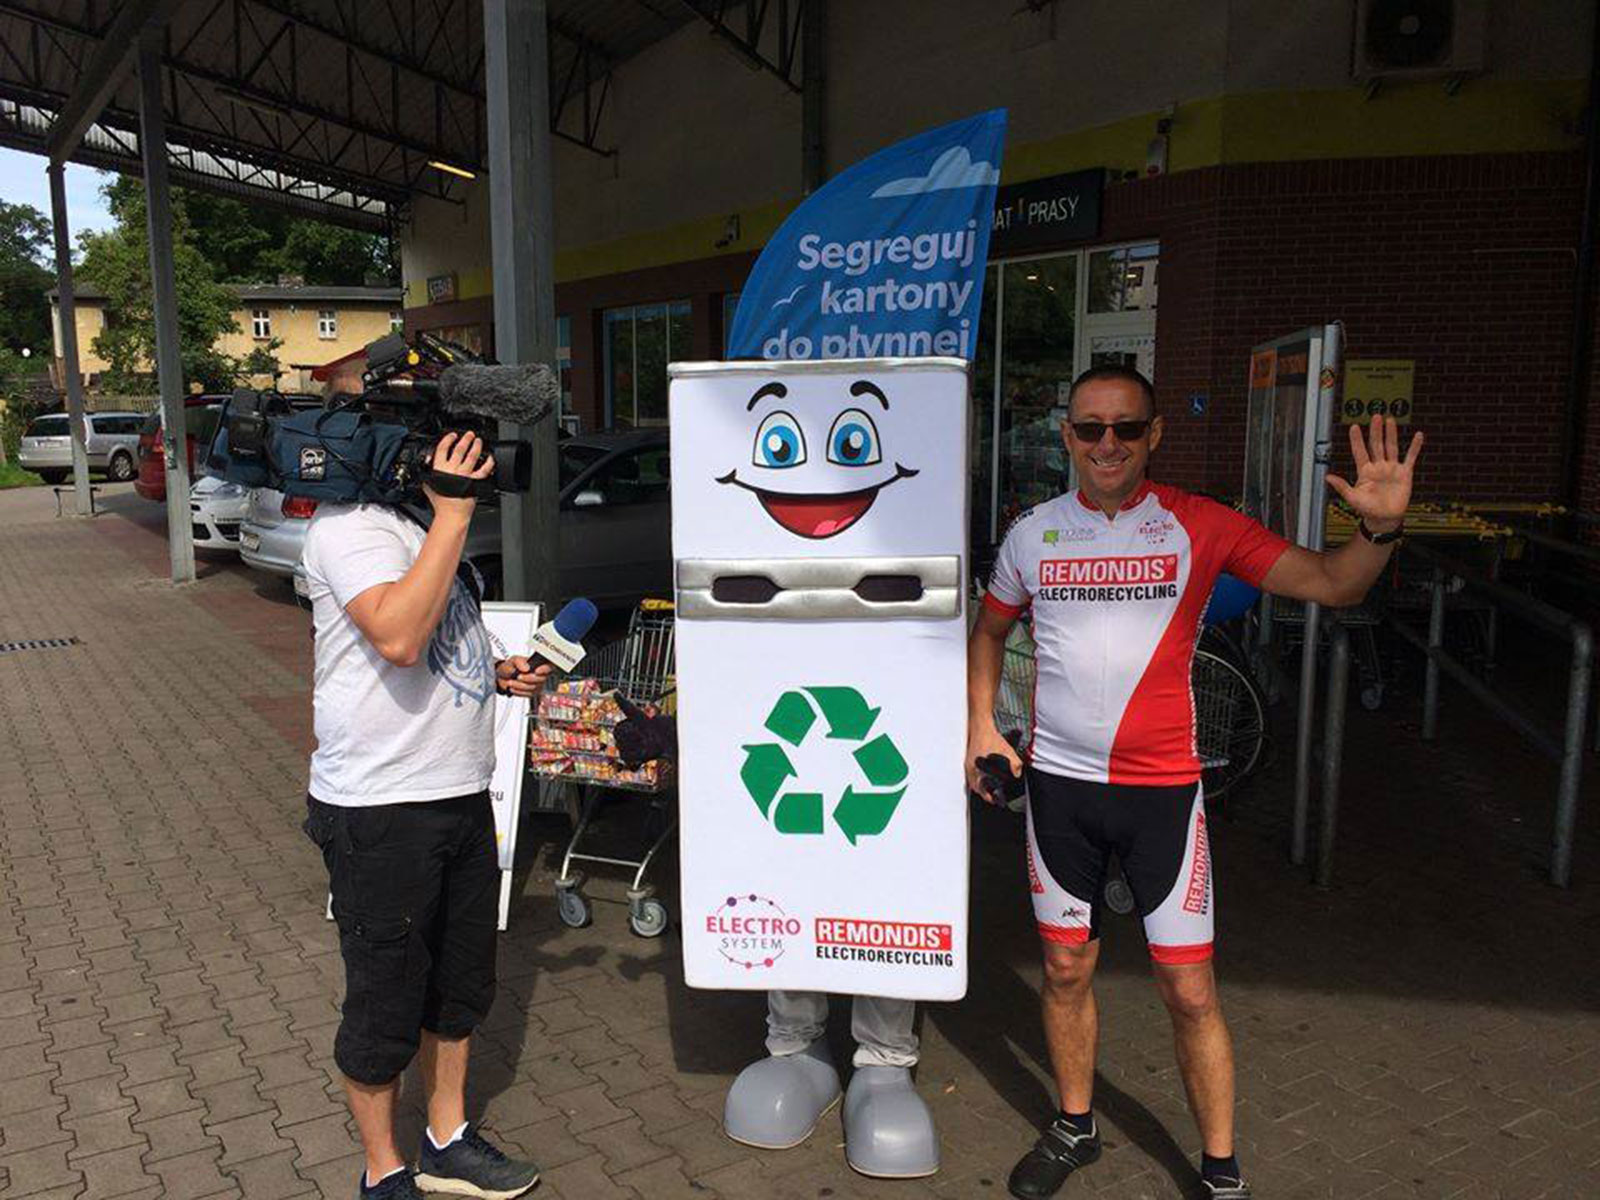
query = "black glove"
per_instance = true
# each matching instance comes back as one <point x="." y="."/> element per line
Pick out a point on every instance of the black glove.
<point x="643" y="738"/>
<point x="996" y="783"/>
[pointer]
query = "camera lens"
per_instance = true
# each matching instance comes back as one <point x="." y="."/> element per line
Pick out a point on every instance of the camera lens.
<point x="513" y="466"/>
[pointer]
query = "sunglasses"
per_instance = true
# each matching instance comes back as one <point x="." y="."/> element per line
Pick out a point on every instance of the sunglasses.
<point x="1093" y="431"/>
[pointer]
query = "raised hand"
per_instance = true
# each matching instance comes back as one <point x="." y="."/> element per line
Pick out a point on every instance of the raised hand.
<point x="1382" y="489"/>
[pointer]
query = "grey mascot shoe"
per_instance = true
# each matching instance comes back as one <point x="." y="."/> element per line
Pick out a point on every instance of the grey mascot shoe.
<point x="888" y="1130"/>
<point x="776" y="1102"/>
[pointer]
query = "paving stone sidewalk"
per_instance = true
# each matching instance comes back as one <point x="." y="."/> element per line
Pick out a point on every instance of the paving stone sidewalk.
<point x="169" y="989"/>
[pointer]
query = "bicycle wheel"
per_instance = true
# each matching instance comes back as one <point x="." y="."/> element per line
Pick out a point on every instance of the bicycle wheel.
<point x="1230" y="722"/>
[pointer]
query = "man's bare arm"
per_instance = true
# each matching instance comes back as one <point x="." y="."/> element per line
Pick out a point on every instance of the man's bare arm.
<point x="986" y="650"/>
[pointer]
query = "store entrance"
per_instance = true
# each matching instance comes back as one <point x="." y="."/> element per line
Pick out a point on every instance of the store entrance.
<point x="1044" y="320"/>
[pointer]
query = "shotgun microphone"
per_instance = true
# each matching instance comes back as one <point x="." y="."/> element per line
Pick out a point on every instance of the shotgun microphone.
<point x="523" y="395"/>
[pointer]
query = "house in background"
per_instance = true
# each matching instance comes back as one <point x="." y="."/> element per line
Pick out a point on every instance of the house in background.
<point x="314" y="326"/>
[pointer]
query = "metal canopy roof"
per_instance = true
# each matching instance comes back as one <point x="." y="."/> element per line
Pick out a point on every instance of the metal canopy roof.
<point x="334" y="107"/>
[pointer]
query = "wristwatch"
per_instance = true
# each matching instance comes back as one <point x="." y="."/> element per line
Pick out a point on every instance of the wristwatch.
<point x="1381" y="539"/>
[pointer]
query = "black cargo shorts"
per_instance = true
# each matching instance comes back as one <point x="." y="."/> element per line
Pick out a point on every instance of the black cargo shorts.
<point x="415" y="894"/>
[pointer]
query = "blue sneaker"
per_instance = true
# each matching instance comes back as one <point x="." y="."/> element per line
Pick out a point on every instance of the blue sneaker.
<point x="473" y="1166"/>
<point x="402" y="1185"/>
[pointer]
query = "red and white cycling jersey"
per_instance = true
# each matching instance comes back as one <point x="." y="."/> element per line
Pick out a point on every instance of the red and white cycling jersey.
<point x="1116" y="610"/>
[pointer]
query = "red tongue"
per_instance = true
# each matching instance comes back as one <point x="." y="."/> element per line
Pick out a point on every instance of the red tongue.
<point x="817" y="516"/>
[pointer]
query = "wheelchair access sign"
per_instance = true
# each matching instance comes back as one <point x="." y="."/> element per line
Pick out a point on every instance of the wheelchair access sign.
<point x="1377" y="387"/>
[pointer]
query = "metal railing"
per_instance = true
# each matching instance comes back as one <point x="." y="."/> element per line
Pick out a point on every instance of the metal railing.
<point x="1568" y="749"/>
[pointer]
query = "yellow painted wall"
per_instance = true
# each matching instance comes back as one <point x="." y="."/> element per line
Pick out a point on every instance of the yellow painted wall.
<point x="1486" y="116"/>
<point x="294" y="323"/>
<point x="296" y="326"/>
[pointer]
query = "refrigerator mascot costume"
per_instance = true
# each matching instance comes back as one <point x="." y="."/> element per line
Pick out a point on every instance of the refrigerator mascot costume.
<point x="819" y="533"/>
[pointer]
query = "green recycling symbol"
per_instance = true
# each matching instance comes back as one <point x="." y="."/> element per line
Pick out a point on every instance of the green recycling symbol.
<point x="767" y="771"/>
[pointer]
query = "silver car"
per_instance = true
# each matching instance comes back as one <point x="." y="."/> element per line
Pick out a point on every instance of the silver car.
<point x="111" y="440"/>
<point x="614" y="526"/>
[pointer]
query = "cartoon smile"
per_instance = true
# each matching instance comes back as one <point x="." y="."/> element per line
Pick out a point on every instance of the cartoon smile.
<point x="818" y="514"/>
<point x="780" y="446"/>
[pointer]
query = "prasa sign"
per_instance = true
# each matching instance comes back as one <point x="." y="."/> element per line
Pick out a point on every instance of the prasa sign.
<point x="1047" y="212"/>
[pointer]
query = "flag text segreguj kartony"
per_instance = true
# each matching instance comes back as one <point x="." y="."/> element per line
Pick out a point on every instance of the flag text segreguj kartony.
<point x="886" y="259"/>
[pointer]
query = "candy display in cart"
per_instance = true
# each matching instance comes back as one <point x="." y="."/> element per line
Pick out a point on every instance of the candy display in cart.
<point x="572" y="736"/>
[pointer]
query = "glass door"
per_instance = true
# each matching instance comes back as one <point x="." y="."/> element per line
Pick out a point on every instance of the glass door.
<point x="1037" y="338"/>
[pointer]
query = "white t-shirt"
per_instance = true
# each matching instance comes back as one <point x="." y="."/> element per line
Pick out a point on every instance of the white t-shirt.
<point x="388" y="734"/>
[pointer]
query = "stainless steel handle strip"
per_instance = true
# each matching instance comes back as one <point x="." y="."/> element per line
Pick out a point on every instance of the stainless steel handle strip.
<point x="820" y="589"/>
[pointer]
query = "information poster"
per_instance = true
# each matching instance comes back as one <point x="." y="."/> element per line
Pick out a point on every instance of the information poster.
<point x="510" y="627"/>
<point x="1377" y="387"/>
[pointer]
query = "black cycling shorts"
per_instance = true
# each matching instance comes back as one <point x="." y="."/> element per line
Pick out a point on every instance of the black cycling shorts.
<point x="416" y="895"/>
<point x="1158" y="833"/>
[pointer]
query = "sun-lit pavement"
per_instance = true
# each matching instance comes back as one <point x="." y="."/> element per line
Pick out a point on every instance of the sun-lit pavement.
<point x="169" y="988"/>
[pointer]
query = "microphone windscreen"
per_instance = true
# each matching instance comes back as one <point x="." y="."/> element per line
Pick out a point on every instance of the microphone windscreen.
<point x="520" y="394"/>
<point x="576" y="618"/>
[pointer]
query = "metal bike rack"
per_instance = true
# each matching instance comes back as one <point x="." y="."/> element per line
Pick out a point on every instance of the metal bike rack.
<point x="1569" y="749"/>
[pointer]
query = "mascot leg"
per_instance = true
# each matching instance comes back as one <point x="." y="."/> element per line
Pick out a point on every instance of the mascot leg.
<point x="888" y="1130"/>
<point x="777" y="1101"/>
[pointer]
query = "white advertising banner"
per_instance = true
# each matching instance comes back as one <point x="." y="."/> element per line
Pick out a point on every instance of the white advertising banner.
<point x="819" y="528"/>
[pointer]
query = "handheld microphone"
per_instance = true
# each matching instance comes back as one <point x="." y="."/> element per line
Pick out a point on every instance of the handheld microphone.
<point x="558" y="642"/>
<point x="523" y="395"/>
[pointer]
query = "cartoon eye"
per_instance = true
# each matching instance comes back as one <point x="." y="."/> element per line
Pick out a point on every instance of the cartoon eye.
<point x="779" y="442"/>
<point x="853" y="441"/>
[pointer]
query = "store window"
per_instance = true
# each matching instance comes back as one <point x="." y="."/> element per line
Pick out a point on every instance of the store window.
<point x="1044" y="321"/>
<point x="327" y="324"/>
<point x="469" y="337"/>
<point x="564" y="372"/>
<point x="639" y="342"/>
<point x="1038" y="342"/>
<point x="1123" y="278"/>
<point x="260" y="324"/>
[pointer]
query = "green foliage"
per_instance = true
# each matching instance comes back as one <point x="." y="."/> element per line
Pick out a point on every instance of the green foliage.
<point x="17" y="406"/>
<point x="247" y="243"/>
<point x="24" y="248"/>
<point x="118" y="263"/>
<point x="13" y="476"/>
<point x="262" y="360"/>
<point x="216" y="240"/>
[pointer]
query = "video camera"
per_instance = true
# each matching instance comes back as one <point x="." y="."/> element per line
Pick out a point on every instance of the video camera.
<point x="375" y="447"/>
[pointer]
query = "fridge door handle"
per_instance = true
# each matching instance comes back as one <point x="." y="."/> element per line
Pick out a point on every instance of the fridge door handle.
<point x="819" y="589"/>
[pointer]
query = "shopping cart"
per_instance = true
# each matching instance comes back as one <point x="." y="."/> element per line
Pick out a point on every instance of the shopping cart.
<point x="572" y="746"/>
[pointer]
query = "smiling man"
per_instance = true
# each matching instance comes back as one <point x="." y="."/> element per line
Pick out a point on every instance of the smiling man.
<point x="1117" y="575"/>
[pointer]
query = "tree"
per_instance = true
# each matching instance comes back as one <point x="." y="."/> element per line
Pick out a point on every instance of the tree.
<point x="216" y="240"/>
<point x="118" y="263"/>
<point x="249" y="243"/>
<point x="24" y="310"/>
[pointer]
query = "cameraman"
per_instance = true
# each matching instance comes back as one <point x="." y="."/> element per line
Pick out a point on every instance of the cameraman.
<point x="399" y="806"/>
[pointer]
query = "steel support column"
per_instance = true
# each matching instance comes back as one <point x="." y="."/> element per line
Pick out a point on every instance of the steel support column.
<point x="522" y="237"/>
<point x="164" y="291"/>
<point x="813" y="96"/>
<point x="66" y="307"/>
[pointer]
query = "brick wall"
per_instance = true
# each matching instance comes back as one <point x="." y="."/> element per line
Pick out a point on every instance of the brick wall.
<point x="1464" y="264"/>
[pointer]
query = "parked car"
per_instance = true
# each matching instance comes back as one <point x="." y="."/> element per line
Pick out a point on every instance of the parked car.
<point x="200" y="416"/>
<point x="216" y="510"/>
<point x="614" y="528"/>
<point x="111" y="440"/>
<point x="200" y="419"/>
